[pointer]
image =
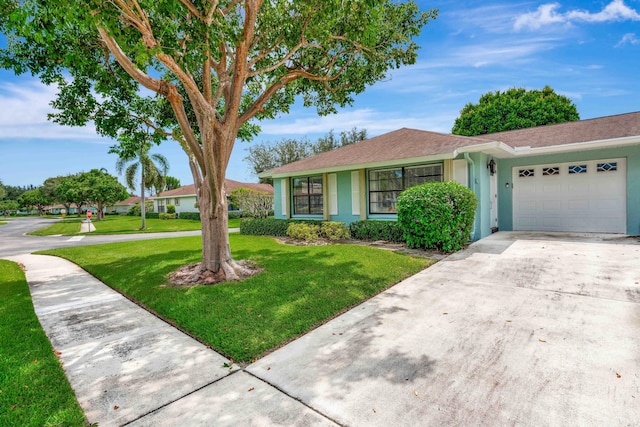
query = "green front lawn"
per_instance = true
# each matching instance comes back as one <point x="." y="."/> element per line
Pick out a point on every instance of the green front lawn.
<point x="33" y="388"/>
<point x="300" y="288"/>
<point x="115" y="224"/>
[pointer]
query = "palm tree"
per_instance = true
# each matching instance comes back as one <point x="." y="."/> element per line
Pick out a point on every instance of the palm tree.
<point x="153" y="169"/>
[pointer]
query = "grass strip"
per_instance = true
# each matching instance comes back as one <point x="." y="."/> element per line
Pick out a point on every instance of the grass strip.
<point x="33" y="388"/>
<point x="112" y="224"/>
<point x="300" y="288"/>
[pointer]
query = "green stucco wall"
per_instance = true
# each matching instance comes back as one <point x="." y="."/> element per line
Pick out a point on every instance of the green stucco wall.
<point x="632" y="154"/>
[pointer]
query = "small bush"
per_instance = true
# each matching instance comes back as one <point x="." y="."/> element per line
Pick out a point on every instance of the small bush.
<point x="136" y="211"/>
<point x="155" y="215"/>
<point x="437" y="215"/>
<point x="190" y="215"/>
<point x="167" y="216"/>
<point x="302" y="231"/>
<point x="389" y="231"/>
<point x="171" y="209"/>
<point x="334" y="231"/>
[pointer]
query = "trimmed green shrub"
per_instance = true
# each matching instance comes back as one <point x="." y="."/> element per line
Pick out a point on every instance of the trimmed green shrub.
<point x="264" y="226"/>
<point x="334" y="231"/>
<point x="437" y="215"/>
<point x="389" y="231"/>
<point x="302" y="231"/>
<point x="270" y="226"/>
<point x="189" y="215"/>
<point x="155" y="215"/>
<point x="171" y="209"/>
<point x="167" y="216"/>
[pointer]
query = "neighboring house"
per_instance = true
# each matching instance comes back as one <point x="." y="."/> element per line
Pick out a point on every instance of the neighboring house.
<point x="185" y="199"/>
<point x="580" y="176"/>
<point x="123" y="206"/>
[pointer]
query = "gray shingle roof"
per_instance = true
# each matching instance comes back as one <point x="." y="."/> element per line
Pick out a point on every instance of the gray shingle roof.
<point x="412" y="143"/>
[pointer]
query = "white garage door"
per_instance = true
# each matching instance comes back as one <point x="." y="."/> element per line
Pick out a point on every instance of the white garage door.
<point x="578" y="196"/>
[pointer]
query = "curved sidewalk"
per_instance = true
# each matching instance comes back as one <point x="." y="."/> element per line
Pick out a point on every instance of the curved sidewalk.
<point x="128" y="367"/>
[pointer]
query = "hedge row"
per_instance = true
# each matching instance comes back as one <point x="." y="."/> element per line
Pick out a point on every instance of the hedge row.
<point x="373" y="230"/>
<point x="269" y="226"/>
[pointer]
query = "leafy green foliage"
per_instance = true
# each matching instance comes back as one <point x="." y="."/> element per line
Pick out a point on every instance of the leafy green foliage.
<point x="300" y="288"/>
<point x="171" y="183"/>
<point x="164" y="215"/>
<point x="437" y="215"/>
<point x="302" y="231"/>
<point x="270" y="226"/>
<point x="136" y="210"/>
<point x="171" y="209"/>
<point x="34" y="199"/>
<point x="252" y="203"/>
<point x="264" y="226"/>
<point x="514" y="109"/>
<point x="334" y="231"/>
<point x="33" y="388"/>
<point x="190" y="215"/>
<point x="102" y="189"/>
<point x="373" y="230"/>
<point x="215" y="67"/>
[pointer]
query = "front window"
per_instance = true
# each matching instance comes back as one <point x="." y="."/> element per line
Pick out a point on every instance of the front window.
<point x="176" y="202"/>
<point x="386" y="184"/>
<point x="307" y="195"/>
<point x="161" y="205"/>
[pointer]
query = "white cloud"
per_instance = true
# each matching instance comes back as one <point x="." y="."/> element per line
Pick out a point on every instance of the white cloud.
<point x="548" y="14"/>
<point x="375" y="122"/>
<point x="629" y="38"/>
<point x="24" y="114"/>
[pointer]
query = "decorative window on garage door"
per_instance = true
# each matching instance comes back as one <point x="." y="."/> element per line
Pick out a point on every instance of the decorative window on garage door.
<point x="573" y="169"/>
<point x="551" y="171"/>
<point x="607" y="167"/>
<point x="524" y="173"/>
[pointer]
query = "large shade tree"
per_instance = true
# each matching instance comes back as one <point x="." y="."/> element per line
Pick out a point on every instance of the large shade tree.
<point x="218" y="64"/>
<point x="514" y="109"/>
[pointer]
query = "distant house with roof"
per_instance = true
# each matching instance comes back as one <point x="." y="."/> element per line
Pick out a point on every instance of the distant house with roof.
<point x="185" y="198"/>
<point x="581" y="176"/>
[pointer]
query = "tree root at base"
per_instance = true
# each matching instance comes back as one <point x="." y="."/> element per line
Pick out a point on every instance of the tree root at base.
<point x="194" y="274"/>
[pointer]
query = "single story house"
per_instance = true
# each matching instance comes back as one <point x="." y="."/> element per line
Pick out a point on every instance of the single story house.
<point x="185" y="199"/>
<point x="123" y="206"/>
<point x="581" y="176"/>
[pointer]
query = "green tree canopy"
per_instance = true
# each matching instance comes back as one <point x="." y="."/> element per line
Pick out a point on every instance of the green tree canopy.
<point x="3" y="191"/>
<point x="514" y="109"/>
<point x="102" y="189"/>
<point x="34" y="199"/>
<point x="71" y="190"/>
<point x="217" y="64"/>
<point x="171" y="183"/>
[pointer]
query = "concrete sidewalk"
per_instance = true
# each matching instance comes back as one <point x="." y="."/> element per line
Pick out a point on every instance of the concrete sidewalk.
<point x="518" y="329"/>
<point x="125" y="364"/>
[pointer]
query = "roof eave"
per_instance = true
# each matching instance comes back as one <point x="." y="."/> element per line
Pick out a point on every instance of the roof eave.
<point x="577" y="146"/>
<point x="357" y="166"/>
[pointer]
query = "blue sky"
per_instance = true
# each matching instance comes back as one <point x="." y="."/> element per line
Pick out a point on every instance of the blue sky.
<point x="586" y="50"/>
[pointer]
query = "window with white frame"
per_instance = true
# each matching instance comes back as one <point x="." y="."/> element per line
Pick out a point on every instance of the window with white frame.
<point x="386" y="184"/>
<point x="307" y="195"/>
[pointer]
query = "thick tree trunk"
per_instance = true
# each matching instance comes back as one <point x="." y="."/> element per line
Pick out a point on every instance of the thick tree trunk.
<point x="216" y="252"/>
<point x="143" y="211"/>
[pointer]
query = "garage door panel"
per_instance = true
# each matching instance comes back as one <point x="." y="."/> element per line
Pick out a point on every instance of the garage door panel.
<point x="578" y="196"/>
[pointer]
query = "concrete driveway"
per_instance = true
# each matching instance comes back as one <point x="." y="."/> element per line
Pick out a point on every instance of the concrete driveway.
<point x="520" y="329"/>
